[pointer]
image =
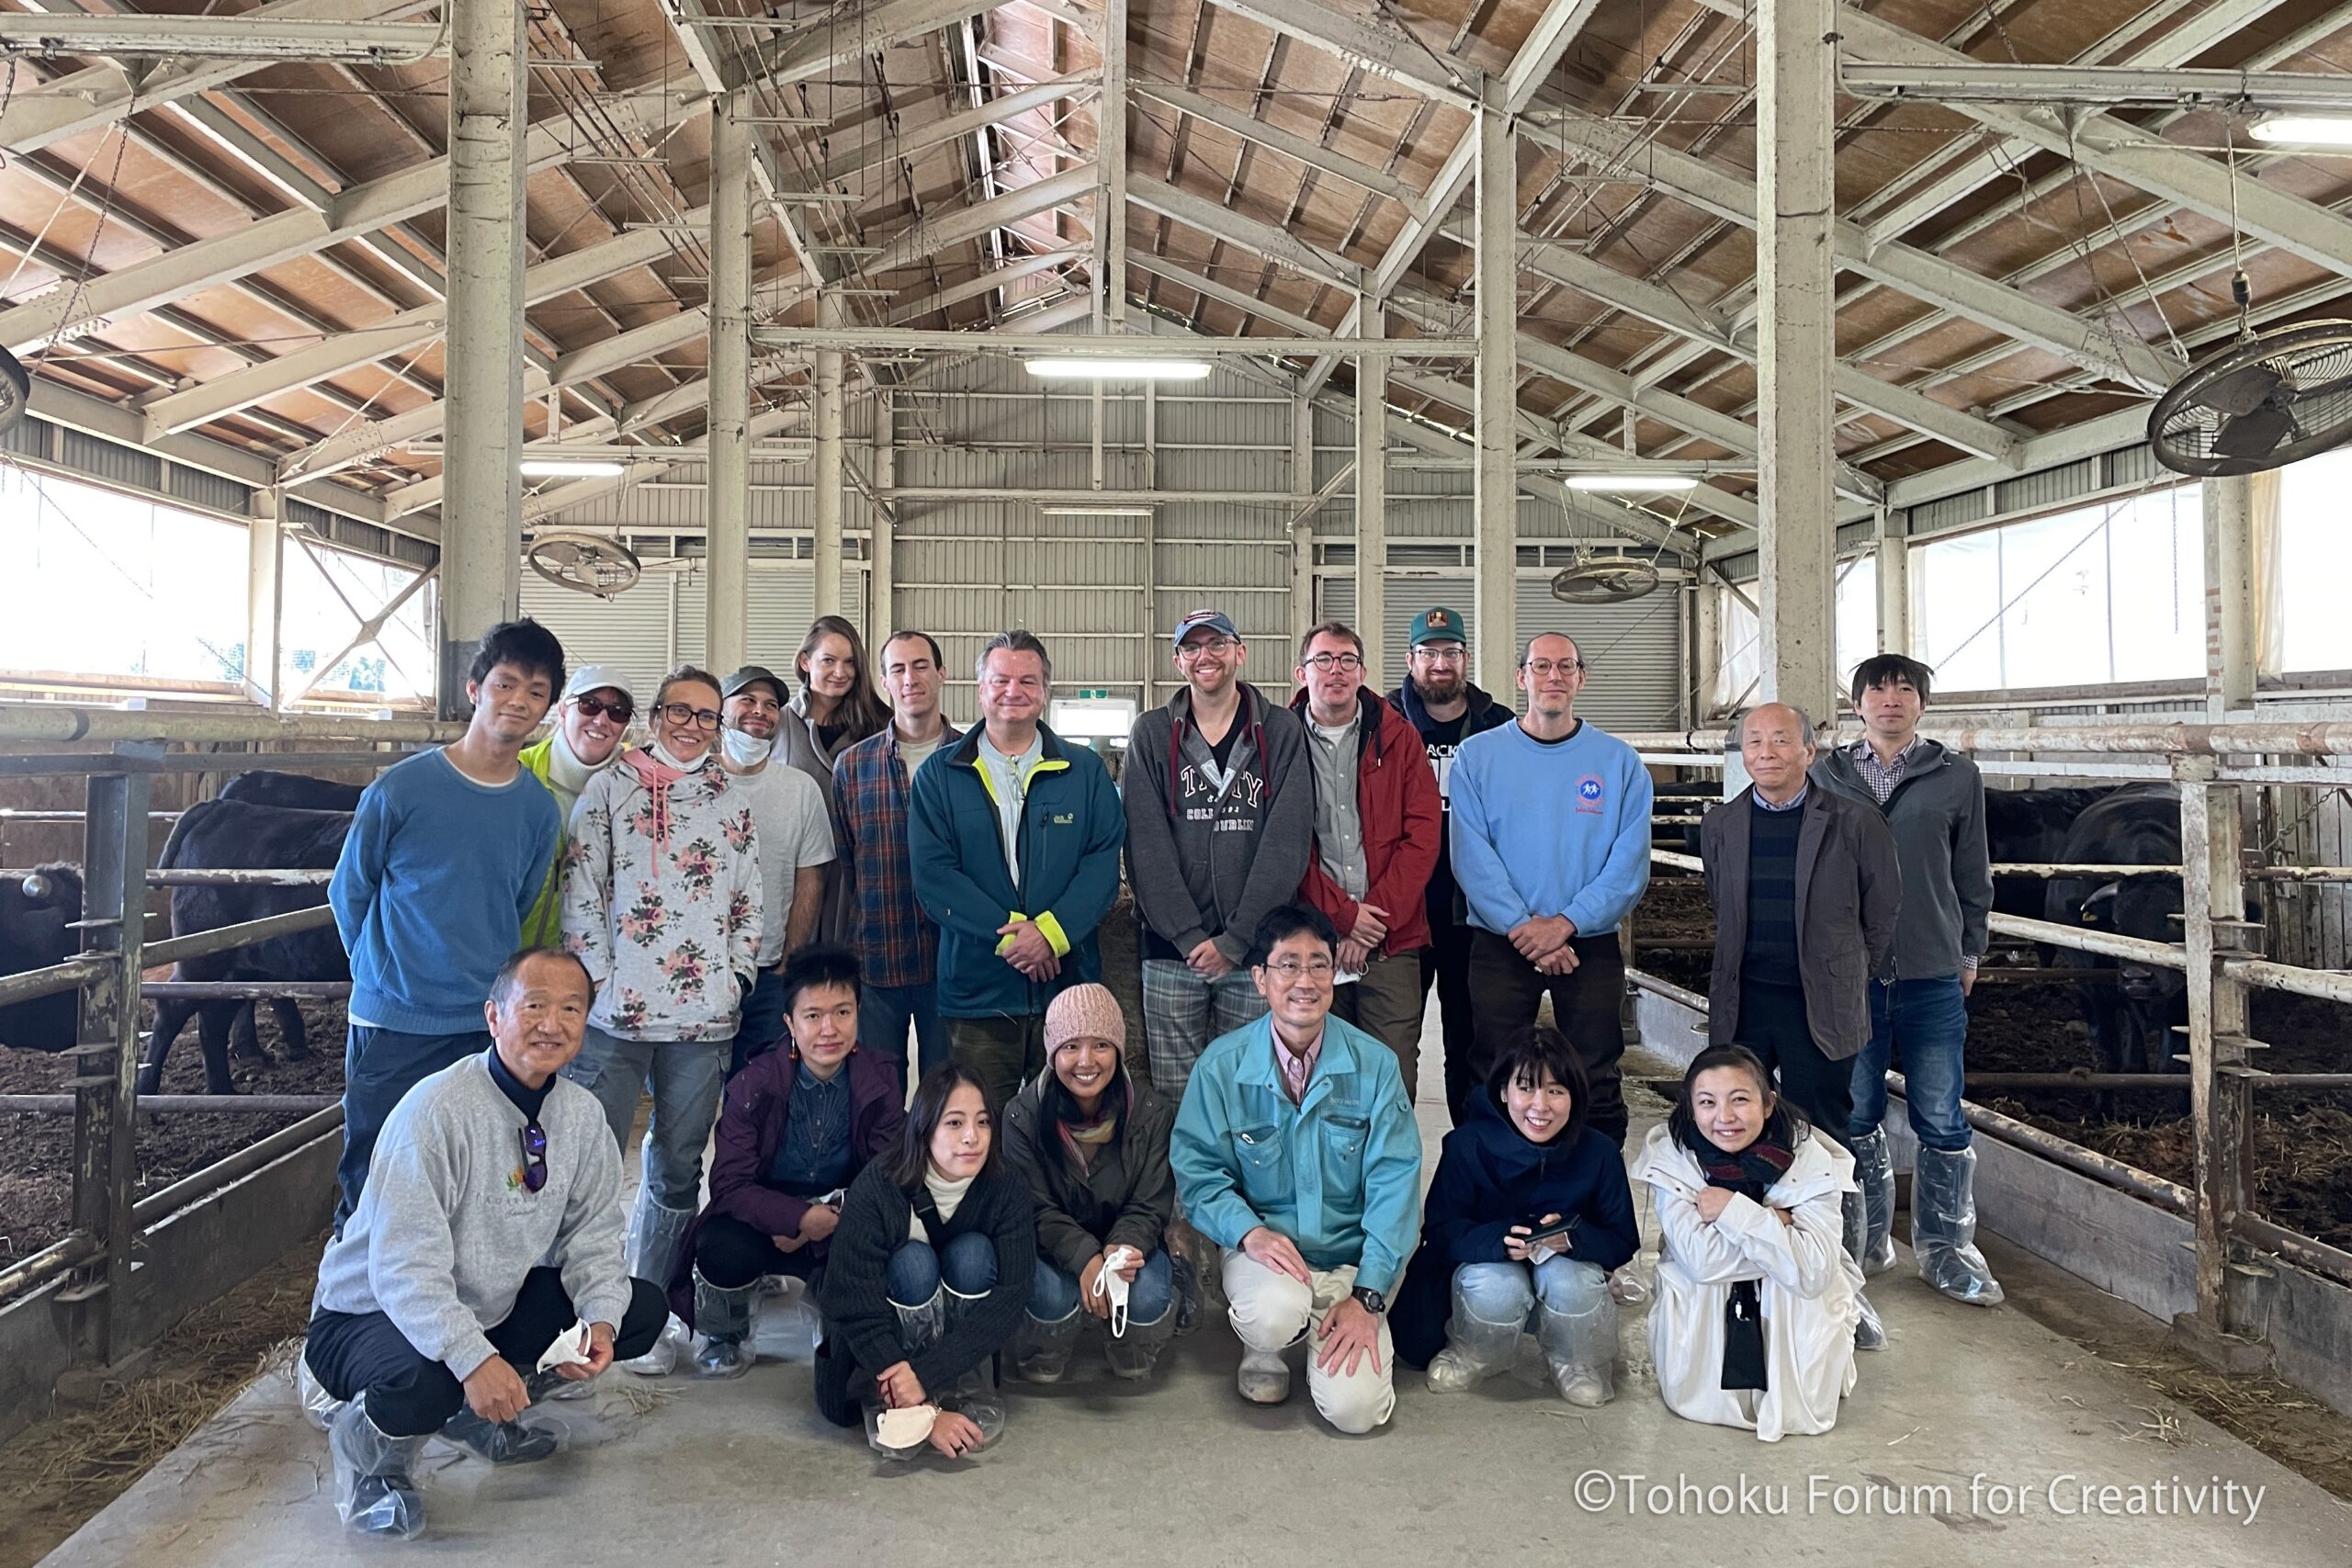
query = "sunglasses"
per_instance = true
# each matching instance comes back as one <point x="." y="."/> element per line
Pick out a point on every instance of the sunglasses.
<point x="597" y="708"/>
<point x="535" y="1156"/>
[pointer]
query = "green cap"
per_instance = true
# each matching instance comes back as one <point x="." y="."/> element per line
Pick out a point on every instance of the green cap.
<point x="1439" y="624"/>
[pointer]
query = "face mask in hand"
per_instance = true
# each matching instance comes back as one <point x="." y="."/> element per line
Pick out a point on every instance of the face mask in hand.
<point x="745" y="750"/>
<point x="1111" y="1283"/>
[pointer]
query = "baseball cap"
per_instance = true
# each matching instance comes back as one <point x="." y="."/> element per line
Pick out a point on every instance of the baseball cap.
<point x="751" y="675"/>
<point x="1214" y="620"/>
<point x="1437" y="624"/>
<point x="599" y="677"/>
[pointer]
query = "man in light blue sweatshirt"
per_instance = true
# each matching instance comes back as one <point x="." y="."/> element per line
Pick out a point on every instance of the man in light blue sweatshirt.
<point x="445" y="856"/>
<point x="1551" y="841"/>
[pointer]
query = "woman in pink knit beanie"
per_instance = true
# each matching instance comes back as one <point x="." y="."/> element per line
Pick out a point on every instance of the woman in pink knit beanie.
<point x="1092" y="1142"/>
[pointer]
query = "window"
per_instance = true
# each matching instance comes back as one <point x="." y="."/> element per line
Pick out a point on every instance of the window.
<point x="2316" y="556"/>
<point x="1739" y="644"/>
<point x="327" y="595"/>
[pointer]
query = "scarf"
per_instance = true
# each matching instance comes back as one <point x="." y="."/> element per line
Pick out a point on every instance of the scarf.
<point x="1752" y="1173"/>
<point x="567" y="772"/>
<point x="1084" y="1138"/>
<point x="658" y="771"/>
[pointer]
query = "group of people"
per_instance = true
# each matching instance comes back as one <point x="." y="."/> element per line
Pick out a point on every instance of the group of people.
<point x="751" y="914"/>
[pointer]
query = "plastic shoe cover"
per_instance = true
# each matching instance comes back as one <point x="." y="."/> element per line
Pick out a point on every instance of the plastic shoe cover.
<point x="919" y="1327"/>
<point x="1133" y="1354"/>
<point x="1626" y="1288"/>
<point x="1943" y="1227"/>
<point x="725" y="1316"/>
<point x="1875" y="1171"/>
<point x="1870" y="1332"/>
<point x="1581" y="1348"/>
<point x="1184" y="1281"/>
<point x="715" y="1357"/>
<point x="662" y="1358"/>
<point x="654" y="1236"/>
<point x="900" y="1434"/>
<point x="319" y="1407"/>
<point x="1475" y="1349"/>
<point x="500" y="1443"/>
<point x="1590" y="1387"/>
<point x="374" y="1492"/>
<point x="974" y="1396"/>
<point x="1264" y="1378"/>
<point x="775" y="1284"/>
<point x="545" y="1385"/>
<point x="1042" y="1350"/>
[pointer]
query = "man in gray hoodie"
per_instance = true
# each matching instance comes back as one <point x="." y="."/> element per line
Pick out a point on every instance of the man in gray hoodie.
<point x="1220" y="805"/>
<point x="1934" y="802"/>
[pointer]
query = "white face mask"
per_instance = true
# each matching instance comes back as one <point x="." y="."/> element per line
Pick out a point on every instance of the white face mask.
<point x="745" y="750"/>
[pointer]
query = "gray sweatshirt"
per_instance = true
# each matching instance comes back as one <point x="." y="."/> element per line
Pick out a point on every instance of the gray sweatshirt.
<point x="446" y="1230"/>
<point x="1207" y="861"/>
<point x="1936" y="815"/>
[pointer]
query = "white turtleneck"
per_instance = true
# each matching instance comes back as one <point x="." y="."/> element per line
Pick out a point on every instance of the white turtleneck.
<point x="946" y="1193"/>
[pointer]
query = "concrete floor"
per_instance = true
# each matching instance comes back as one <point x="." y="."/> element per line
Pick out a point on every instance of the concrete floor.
<point x="1971" y="1440"/>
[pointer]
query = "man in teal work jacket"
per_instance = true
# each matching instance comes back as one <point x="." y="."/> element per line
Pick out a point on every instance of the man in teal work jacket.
<point x="1296" y="1153"/>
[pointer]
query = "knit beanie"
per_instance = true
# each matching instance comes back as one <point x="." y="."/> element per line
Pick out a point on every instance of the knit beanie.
<point x="1090" y="1011"/>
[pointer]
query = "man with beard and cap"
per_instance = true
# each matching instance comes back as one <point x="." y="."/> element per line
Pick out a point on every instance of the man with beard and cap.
<point x="590" y="723"/>
<point x="796" y="844"/>
<point x="1447" y="709"/>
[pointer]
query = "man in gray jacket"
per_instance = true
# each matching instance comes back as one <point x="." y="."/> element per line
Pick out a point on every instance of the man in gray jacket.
<point x="1807" y="891"/>
<point x="489" y="1225"/>
<point x="1934" y="802"/>
<point x="1220" y="805"/>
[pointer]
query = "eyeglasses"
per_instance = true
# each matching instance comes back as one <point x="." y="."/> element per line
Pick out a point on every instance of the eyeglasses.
<point x="1543" y="668"/>
<point x="679" y="713"/>
<point x="620" y="713"/>
<point x="1291" y="968"/>
<point x="1430" y="653"/>
<point x="1326" y="662"/>
<point x="535" y="1156"/>
<point x="1208" y="645"/>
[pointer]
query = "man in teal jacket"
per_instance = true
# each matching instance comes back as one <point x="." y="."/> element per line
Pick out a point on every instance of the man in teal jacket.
<point x="1013" y="839"/>
<point x="1297" y="1153"/>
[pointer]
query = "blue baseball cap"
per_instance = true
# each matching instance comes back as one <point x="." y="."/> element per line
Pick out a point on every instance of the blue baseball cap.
<point x="1212" y="620"/>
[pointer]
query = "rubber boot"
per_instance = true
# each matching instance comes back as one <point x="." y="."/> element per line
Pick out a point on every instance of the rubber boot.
<point x="654" y="1236"/>
<point x="1580" y="1348"/>
<point x="1874" y="1172"/>
<point x="500" y="1443"/>
<point x="724" y="1317"/>
<point x="1475" y="1349"/>
<point x="919" y="1327"/>
<point x="1943" y="1226"/>
<point x="375" y="1492"/>
<point x="1042" y="1350"/>
<point x="1133" y="1354"/>
<point x="1870" y="1334"/>
<point x="975" y="1395"/>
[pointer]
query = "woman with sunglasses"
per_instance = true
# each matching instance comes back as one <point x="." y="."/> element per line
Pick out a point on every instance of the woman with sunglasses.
<point x="836" y="706"/>
<point x="590" y="723"/>
<point x="934" y="1255"/>
<point x="661" y="896"/>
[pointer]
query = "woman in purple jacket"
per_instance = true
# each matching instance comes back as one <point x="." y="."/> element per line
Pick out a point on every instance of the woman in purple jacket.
<point x="798" y="1125"/>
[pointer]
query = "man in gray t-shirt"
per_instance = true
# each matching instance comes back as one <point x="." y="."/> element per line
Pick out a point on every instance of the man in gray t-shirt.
<point x="796" y="832"/>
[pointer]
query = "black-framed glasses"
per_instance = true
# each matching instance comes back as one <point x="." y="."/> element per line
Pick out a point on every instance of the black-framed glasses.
<point x="1326" y="662"/>
<point x="701" y="718"/>
<point x="535" y="1156"/>
<point x="619" y="712"/>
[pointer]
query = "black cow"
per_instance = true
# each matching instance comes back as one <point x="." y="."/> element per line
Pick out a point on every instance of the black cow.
<point x="302" y="792"/>
<point x="236" y="833"/>
<point x="2026" y="827"/>
<point x="2131" y="1020"/>
<point x="34" y="912"/>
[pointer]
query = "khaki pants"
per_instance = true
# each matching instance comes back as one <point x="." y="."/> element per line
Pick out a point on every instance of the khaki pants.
<point x="1274" y="1312"/>
<point x="1387" y="1005"/>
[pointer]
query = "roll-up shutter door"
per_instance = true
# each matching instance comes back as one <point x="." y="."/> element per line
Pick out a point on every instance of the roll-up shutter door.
<point x="631" y="629"/>
<point x="1633" y="652"/>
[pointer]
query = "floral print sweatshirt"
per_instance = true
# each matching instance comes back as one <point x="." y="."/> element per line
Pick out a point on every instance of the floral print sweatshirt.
<point x="662" y="897"/>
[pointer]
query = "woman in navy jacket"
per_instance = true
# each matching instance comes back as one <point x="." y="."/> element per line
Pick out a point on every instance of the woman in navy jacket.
<point x="1527" y="1217"/>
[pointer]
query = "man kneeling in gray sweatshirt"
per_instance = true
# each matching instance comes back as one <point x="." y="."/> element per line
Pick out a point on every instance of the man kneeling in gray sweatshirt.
<point x="490" y="1227"/>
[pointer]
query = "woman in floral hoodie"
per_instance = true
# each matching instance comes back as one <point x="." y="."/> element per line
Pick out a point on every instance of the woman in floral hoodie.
<point x="662" y="901"/>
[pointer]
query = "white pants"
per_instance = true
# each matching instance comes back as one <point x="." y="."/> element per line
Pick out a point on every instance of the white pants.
<point x="1273" y="1312"/>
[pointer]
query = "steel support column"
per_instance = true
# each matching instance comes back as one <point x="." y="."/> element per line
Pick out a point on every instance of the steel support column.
<point x="265" y="597"/>
<point x="1302" y="527"/>
<point x="1495" y="602"/>
<point x="1795" y="75"/>
<point x="2229" y="596"/>
<point x="2219" y="1105"/>
<point x="827" y="394"/>
<point x="1371" y="495"/>
<point x="1894" y="586"/>
<point x="881" y="539"/>
<point x="482" y="489"/>
<point x="727" y="566"/>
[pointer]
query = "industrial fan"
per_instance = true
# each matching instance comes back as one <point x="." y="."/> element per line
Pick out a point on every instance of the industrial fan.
<point x="583" y="562"/>
<point x="2269" y="399"/>
<point x="16" y="391"/>
<point x="1604" y="579"/>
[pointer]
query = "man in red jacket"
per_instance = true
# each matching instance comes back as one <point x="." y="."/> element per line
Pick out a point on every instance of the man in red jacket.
<point x="1378" y="823"/>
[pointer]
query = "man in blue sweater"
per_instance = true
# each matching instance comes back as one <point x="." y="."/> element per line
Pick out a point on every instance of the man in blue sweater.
<point x="447" y="854"/>
<point x="1551" y="839"/>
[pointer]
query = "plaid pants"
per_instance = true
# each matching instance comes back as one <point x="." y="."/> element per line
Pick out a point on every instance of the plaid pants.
<point x="1183" y="1013"/>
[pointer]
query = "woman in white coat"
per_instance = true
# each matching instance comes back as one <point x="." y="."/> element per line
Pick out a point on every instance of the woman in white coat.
<point x="1756" y="1300"/>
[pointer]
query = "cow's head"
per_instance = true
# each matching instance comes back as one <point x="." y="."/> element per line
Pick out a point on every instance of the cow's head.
<point x="2148" y="907"/>
<point x="35" y="911"/>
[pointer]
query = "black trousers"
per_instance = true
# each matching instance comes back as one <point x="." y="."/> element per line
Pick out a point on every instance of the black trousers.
<point x="731" y="1255"/>
<point x="410" y="1397"/>
<point x="1587" y="1003"/>
<point x="1773" y="1024"/>
<point x="1445" y="964"/>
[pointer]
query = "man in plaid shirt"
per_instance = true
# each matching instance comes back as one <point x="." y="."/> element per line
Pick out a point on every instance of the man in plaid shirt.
<point x="898" y="946"/>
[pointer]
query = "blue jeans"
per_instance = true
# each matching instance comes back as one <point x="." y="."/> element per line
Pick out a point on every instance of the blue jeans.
<point x="761" y="1029"/>
<point x="1925" y="1022"/>
<point x="884" y="1013"/>
<point x="686" y="1077"/>
<point x="1053" y="1294"/>
<point x="380" y="1065"/>
<point x="967" y="1266"/>
<point x="1507" y="1293"/>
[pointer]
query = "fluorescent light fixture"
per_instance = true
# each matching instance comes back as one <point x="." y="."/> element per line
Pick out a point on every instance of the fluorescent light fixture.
<point x="1105" y="369"/>
<point x="1094" y="510"/>
<point x="1093" y="718"/>
<point x="2317" y="129"/>
<point x="1629" y="481"/>
<point x="571" y="468"/>
<point x="222" y="37"/>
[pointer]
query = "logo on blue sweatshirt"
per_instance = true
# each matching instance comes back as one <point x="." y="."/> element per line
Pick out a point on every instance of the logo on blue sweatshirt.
<point x="1590" y="794"/>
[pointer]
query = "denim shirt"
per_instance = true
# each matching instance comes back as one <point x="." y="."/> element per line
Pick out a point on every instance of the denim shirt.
<point x="813" y="1155"/>
<point x="1339" y="1173"/>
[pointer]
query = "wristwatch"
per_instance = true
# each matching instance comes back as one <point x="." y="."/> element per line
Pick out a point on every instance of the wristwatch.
<point x="1371" y="1301"/>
